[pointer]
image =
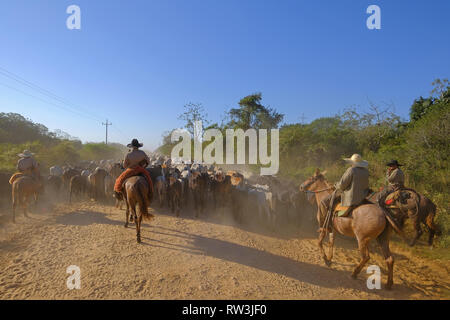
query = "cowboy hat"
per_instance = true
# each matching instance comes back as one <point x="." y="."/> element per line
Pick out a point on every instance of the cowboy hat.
<point x="26" y="154"/>
<point x="135" y="144"/>
<point x="393" y="163"/>
<point x="357" y="161"/>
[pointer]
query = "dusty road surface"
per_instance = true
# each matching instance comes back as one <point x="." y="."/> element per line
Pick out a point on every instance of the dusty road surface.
<point x="187" y="258"/>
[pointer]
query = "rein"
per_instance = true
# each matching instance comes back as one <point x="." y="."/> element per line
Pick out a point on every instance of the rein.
<point x="318" y="191"/>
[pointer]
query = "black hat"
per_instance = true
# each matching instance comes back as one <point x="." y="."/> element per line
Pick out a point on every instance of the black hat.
<point x="393" y="163"/>
<point x="135" y="144"/>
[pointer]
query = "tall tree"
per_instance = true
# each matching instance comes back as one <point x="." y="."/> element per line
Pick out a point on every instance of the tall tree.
<point x="252" y="114"/>
<point x="194" y="112"/>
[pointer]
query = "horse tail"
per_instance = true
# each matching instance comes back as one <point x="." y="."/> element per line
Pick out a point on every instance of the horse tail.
<point x="142" y="201"/>
<point x="429" y="220"/>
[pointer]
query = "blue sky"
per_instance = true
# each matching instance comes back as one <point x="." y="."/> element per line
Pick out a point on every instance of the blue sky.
<point x="138" y="62"/>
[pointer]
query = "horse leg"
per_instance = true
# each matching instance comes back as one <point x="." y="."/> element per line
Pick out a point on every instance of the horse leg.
<point x="322" y="251"/>
<point x="383" y="241"/>
<point x="127" y="214"/>
<point x="137" y="222"/>
<point x="432" y="227"/>
<point x="417" y="228"/>
<point x="14" y="205"/>
<point x="363" y="245"/>
<point x="138" y="228"/>
<point x="25" y="206"/>
<point x="331" y="248"/>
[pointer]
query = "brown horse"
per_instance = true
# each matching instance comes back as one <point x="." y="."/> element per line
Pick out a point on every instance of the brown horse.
<point x="24" y="189"/>
<point x="135" y="193"/>
<point x="421" y="210"/>
<point x="367" y="222"/>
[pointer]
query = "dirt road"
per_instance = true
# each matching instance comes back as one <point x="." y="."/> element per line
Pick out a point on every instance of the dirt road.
<point x="187" y="258"/>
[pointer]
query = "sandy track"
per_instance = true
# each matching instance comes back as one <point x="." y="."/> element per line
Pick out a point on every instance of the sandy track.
<point x="186" y="258"/>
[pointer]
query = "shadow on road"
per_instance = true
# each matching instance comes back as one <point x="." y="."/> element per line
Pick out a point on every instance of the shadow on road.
<point x="84" y="218"/>
<point x="301" y="271"/>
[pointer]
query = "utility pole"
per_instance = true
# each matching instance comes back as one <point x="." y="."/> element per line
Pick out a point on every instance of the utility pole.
<point x="107" y="124"/>
<point x="302" y="118"/>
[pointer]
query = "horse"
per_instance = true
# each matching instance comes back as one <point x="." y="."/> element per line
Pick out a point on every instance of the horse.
<point x="23" y="189"/>
<point x="408" y="203"/>
<point x="135" y="192"/>
<point x="367" y="222"/>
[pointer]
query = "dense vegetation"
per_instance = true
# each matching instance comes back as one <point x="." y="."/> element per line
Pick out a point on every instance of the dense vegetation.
<point x="421" y="143"/>
<point x="18" y="133"/>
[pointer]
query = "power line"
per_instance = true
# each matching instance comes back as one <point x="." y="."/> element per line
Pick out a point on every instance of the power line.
<point x="45" y="92"/>
<point x="54" y="104"/>
<point x="63" y="103"/>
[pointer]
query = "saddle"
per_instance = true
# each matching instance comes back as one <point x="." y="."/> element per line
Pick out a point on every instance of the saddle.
<point x="343" y="211"/>
<point x="397" y="197"/>
<point x="18" y="175"/>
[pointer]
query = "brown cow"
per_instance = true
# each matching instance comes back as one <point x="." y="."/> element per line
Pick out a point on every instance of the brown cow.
<point x="174" y="194"/>
<point x="198" y="185"/>
<point x="97" y="183"/>
<point x="221" y="190"/>
<point x="79" y="185"/>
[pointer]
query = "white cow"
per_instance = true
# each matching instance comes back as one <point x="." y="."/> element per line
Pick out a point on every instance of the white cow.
<point x="56" y="171"/>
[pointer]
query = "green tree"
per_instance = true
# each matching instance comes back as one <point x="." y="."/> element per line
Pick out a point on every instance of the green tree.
<point x="252" y="114"/>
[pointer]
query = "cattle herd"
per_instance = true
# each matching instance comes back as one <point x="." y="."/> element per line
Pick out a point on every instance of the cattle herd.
<point x="179" y="186"/>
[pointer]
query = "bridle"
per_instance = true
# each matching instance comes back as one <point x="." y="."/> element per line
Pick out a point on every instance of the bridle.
<point x="313" y="180"/>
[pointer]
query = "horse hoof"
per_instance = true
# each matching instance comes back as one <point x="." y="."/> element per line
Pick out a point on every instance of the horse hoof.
<point x="388" y="286"/>
<point x="354" y="276"/>
<point x="139" y="240"/>
<point x="328" y="263"/>
<point x="126" y="225"/>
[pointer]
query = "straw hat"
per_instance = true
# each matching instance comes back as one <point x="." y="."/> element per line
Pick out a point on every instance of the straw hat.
<point x="357" y="161"/>
<point x="26" y="154"/>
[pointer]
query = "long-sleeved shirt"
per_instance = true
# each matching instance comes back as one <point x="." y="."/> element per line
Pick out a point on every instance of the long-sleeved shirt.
<point x="354" y="185"/>
<point x="25" y="164"/>
<point x="395" y="178"/>
<point x="134" y="158"/>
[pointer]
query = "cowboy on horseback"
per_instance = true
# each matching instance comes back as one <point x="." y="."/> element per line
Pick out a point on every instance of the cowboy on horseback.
<point x="395" y="178"/>
<point x="352" y="189"/>
<point x="135" y="163"/>
<point x="26" y="166"/>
